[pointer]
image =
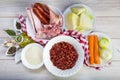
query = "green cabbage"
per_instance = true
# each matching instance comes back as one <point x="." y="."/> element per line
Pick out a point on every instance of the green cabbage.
<point x="85" y="23"/>
<point x="77" y="10"/>
<point x="71" y="20"/>
<point x="79" y="19"/>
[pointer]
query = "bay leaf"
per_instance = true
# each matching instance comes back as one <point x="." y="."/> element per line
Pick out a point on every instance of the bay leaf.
<point x="10" y="32"/>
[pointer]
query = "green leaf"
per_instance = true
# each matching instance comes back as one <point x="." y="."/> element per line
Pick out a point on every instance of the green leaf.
<point x="10" y="32"/>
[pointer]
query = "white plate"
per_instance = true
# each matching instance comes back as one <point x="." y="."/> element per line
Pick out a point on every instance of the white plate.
<point x="68" y="10"/>
<point x="24" y="61"/>
<point x="30" y="30"/>
<point x="100" y="35"/>
<point x="53" y="69"/>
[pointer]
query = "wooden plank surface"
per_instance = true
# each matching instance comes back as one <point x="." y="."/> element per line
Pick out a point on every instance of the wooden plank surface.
<point x="107" y="20"/>
<point x="9" y="70"/>
<point x="100" y="7"/>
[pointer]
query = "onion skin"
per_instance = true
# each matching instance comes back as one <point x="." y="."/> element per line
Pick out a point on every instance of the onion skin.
<point x="106" y="54"/>
<point x="104" y="43"/>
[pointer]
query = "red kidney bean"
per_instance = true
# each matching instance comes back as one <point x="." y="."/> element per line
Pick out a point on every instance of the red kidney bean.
<point x="63" y="55"/>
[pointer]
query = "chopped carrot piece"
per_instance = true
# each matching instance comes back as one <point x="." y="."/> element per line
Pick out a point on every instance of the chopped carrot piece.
<point x="91" y="47"/>
<point x="96" y="50"/>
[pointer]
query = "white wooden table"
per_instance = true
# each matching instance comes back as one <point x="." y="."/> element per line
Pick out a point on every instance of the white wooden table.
<point x="107" y="20"/>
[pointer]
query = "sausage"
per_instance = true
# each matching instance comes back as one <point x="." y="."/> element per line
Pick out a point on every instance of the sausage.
<point x="43" y="9"/>
<point x="43" y="6"/>
<point x="46" y="8"/>
<point x="40" y="16"/>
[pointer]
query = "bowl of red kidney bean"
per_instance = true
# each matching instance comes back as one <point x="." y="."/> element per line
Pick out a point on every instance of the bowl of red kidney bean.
<point x="63" y="56"/>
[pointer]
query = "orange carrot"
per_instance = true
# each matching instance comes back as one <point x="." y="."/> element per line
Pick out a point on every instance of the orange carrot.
<point x="91" y="47"/>
<point x="96" y="50"/>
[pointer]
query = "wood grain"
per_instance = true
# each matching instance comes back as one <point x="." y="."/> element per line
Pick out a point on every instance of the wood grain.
<point x="100" y="7"/>
<point x="108" y="25"/>
<point x="18" y="7"/>
<point x="10" y="70"/>
<point x="107" y="20"/>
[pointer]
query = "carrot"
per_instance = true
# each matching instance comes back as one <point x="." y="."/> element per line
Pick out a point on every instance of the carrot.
<point x="91" y="47"/>
<point x="96" y="50"/>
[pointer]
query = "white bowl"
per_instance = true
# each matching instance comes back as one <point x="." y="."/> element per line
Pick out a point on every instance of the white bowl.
<point x="102" y="35"/>
<point x="25" y="62"/>
<point x="53" y="69"/>
<point x="68" y="10"/>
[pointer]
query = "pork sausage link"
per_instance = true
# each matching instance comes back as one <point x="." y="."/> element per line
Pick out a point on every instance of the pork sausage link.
<point x="41" y="8"/>
<point x="39" y="15"/>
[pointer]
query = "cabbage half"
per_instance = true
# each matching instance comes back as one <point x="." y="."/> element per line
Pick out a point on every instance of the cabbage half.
<point x="71" y="20"/>
<point x="79" y="19"/>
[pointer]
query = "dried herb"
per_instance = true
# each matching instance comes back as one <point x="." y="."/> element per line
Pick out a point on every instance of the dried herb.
<point x="18" y="25"/>
<point x="10" y="32"/>
<point x="11" y="50"/>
